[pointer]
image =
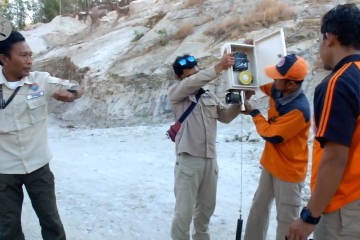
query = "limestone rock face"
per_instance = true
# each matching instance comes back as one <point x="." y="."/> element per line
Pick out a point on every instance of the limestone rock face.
<point x="124" y="63"/>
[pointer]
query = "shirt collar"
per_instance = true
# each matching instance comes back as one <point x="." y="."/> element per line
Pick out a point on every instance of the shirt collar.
<point x="2" y="77"/>
<point x="24" y="80"/>
<point x="347" y="59"/>
<point x="290" y="97"/>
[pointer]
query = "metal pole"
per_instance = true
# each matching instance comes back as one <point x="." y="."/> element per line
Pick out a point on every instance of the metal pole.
<point x="240" y="220"/>
<point x="242" y="99"/>
<point x="59" y="7"/>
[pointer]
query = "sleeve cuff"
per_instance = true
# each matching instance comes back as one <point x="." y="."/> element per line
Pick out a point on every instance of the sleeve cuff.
<point x="254" y="112"/>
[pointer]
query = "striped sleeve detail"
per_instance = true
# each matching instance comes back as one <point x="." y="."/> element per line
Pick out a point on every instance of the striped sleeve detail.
<point x="282" y="128"/>
<point x="357" y="64"/>
<point x="328" y="101"/>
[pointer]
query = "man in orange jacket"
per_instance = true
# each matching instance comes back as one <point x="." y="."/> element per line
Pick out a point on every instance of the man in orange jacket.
<point x="285" y="156"/>
<point x="335" y="180"/>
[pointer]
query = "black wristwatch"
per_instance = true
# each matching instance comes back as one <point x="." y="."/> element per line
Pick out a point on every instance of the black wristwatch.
<point x="307" y="217"/>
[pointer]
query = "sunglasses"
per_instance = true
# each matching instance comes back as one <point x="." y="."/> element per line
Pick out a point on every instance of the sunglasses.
<point x="183" y="61"/>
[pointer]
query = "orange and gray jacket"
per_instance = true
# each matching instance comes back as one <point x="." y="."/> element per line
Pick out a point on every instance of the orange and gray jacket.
<point x="286" y="132"/>
<point x="197" y="134"/>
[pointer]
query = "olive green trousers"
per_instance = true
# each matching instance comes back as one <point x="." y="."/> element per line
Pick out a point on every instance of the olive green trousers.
<point x="41" y="190"/>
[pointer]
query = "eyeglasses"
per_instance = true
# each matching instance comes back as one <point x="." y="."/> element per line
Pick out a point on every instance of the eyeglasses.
<point x="183" y="61"/>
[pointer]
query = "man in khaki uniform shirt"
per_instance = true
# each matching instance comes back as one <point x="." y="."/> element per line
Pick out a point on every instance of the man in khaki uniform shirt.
<point x="24" y="150"/>
<point x="196" y="169"/>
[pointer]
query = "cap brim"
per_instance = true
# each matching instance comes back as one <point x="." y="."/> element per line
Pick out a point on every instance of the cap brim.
<point x="272" y="72"/>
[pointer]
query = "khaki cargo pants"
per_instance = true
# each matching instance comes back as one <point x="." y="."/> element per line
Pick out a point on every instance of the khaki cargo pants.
<point x="287" y="197"/>
<point x="342" y="224"/>
<point x="41" y="189"/>
<point x="195" y="193"/>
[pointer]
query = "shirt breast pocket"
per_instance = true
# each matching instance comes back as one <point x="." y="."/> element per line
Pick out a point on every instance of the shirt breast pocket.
<point x="210" y="107"/>
<point x="7" y="120"/>
<point x="37" y="109"/>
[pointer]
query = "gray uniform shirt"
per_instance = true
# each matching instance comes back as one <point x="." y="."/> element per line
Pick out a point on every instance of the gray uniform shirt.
<point x="23" y="123"/>
<point x="197" y="135"/>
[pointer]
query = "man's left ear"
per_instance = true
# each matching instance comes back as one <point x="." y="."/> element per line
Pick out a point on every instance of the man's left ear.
<point x="330" y="39"/>
<point x="291" y="85"/>
<point x="3" y="59"/>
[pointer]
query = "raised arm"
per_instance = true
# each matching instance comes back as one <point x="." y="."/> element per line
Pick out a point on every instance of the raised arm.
<point x="69" y="95"/>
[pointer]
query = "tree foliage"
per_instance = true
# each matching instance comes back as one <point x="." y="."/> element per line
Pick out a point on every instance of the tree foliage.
<point x="22" y="12"/>
<point x="17" y="12"/>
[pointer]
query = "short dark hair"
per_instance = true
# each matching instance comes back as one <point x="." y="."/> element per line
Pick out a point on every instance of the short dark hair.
<point x="178" y="69"/>
<point x="344" y="22"/>
<point x="5" y="46"/>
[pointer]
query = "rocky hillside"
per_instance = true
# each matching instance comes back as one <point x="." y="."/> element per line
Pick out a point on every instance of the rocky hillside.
<point x="123" y="57"/>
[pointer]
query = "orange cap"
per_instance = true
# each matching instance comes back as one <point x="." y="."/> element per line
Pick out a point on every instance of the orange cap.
<point x="290" y="67"/>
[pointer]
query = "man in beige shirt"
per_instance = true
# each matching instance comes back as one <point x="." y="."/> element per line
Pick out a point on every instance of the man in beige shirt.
<point x="24" y="150"/>
<point x="196" y="169"/>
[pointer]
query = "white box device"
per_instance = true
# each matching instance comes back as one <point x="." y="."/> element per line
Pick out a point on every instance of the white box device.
<point x="265" y="51"/>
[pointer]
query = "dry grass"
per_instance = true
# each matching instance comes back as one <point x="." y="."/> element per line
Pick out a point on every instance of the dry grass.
<point x="62" y="68"/>
<point x="156" y="44"/>
<point x="192" y="3"/>
<point x="183" y="32"/>
<point x="267" y="12"/>
<point x="152" y="21"/>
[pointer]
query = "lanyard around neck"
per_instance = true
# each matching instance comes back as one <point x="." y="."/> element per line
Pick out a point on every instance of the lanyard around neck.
<point x="3" y="103"/>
